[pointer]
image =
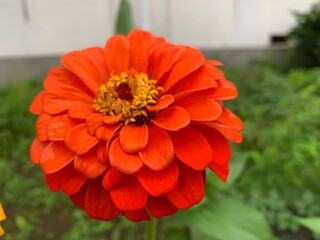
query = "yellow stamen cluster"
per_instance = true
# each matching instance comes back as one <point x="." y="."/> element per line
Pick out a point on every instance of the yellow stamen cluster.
<point x="127" y="94"/>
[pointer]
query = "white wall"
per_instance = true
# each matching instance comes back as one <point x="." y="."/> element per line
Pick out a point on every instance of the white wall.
<point x="58" y="26"/>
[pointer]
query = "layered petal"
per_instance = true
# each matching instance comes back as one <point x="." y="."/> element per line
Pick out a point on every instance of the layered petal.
<point x="184" y="66"/>
<point x="59" y="127"/>
<point x="60" y="77"/>
<point x="173" y="118"/>
<point x="98" y="203"/>
<point x="222" y="171"/>
<point x="202" y="78"/>
<point x="159" y="151"/>
<point x="133" y="137"/>
<point x="189" y="190"/>
<point x="116" y="54"/>
<point x="55" y="156"/>
<point x="36" y="149"/>
<point x="88" y="164"/>
<point x="192" y="148"/>
<point x="36" y="106"/>
<point x="67" y="179"/>
<point x="160" y="207"/>
<point x="43" y="122"/>
<point x="200" y="108"/>
<point x="140" y="45"/>
<point x="136" y="215"/>
<point x="221" y="152"/>
<point x="124" y="162"/>
<point x="129" y="195"/>
<point x="62" y="99"/>
<point x="229" y="133"/>
<point x="79" y="140"/>
<point x="111" y="179"/>
<point x="162" y="103"/>
<point x="89" y="65"/>
<point x="230" y="119"/>
<point x="161" y="182"/>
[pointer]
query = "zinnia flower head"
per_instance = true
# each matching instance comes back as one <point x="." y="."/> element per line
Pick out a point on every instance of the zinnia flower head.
<point x="2" y="217"/>
<point x="131" y="128"/>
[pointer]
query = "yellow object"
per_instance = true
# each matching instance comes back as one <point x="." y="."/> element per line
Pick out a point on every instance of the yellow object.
<point x="2" y="217"/>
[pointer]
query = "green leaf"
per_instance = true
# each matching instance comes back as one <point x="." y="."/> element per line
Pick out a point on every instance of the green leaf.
<point x="124" y="22"/>
<point x="312" y="223"/>
<point x="225" y="219"/>
<point x="176" y="233"/>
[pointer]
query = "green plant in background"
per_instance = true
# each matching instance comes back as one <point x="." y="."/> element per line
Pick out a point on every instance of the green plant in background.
<point x="124" y="21"/>
<point x="306" y="35"/>
<point x="281" y="114"/>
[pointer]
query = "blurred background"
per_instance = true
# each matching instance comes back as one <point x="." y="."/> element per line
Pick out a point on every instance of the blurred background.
<point x="271" y="51"/>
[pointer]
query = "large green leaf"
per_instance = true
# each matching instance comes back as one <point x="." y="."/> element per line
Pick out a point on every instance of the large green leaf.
<point x="312" y="223"/>
<point x="226" y="219"/>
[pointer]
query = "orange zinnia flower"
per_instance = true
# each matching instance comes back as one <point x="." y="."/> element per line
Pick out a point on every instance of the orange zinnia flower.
<point x="130" y="128"/>
<point x="2" y="217"/>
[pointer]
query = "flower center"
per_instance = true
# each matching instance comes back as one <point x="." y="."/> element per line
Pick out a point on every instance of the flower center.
<point x="127" y="94"/>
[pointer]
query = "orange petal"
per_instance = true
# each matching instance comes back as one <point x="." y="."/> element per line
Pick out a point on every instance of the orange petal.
<point x="221" y="152"/>
<point x="89" y="65"/>
<point x="60" y="77"/>
<point x="79" y="140"/>
<point x="80" y="111"/>
<point x="36" y="149"/>
<point x="89" y="165"/>
<point x="79" y="197"/>
<point x="129" y="195"/>
<point x="67" y="179"/>
<point x="173" y="118"/>
<point x="158" y="183"/>
<point x="98" y="203"/>
<point x="111" y="179"/>
<point x="116" y="54"/>
<point x="102" y="153"/>
<point x="226" y="90"/>
<point x="229" y="133"/>
<point x="162" y="103"/>
<point x="160" y="207"/>
<point x="43" y="122"/>
<point x="58" y="100"/>
<point x="104" y="132"/>
<point x="191" y="147"/>
<point x="58" y="127"/>
<point x="230" y="119"/>
<point x="136" y="215"/>
<point x="93" y="122"/>
<point x="110" y="120"/>
<point x="189" y="190"/>
<point x="214" y="63"/>
<point x="55" y="156"/>
<point x="161" y="60"/>
<point x="202" y="78"/>
<point x="124" y="162"/>
<point x="140" y="45"/>
<point x="133" y="137"/>
<point x="191" y="59"/>
<point x="36" y="105"/>
<point x="222" y="171"/>
<point x="200" y="108"/>
<point x="159" y="151"/>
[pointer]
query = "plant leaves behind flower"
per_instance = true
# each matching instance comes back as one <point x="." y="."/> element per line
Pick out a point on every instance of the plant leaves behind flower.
<point x="131" y="128"/>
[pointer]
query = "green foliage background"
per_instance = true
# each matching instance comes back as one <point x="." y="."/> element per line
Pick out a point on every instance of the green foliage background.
<point x="306" y="35"/>
<point x="274" y="173"/>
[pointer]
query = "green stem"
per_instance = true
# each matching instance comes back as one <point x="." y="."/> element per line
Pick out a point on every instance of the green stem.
<point x="151" y="229"/>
